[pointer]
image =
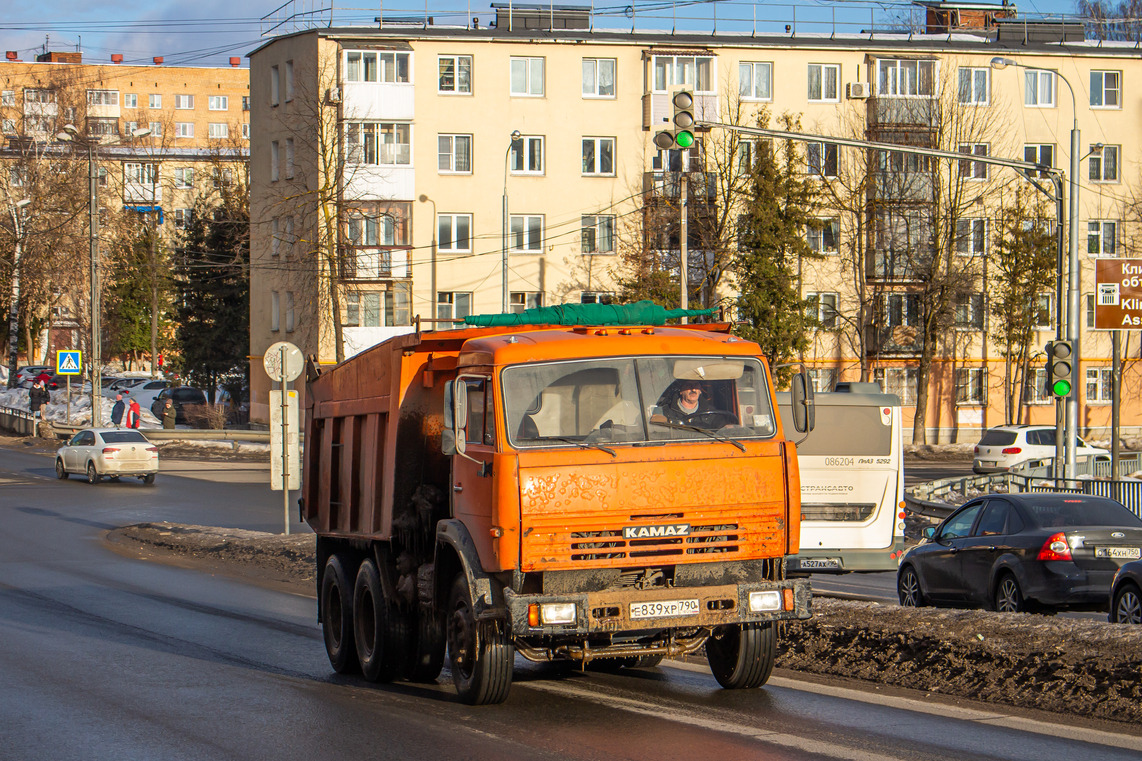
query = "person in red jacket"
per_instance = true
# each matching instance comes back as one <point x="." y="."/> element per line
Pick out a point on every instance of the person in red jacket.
<point x="133" y="414"/>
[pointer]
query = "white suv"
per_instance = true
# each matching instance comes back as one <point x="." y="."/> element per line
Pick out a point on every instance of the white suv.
<point x="1008" y="445"/>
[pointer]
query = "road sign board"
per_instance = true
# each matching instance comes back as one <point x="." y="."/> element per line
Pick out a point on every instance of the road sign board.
<point x="283" y="361"/>
<point x="1118" y="294"/>
<point x="69" y="362"/>
<point x="285" y="443"/>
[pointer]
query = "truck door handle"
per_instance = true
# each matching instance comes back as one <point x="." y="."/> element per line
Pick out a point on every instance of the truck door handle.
<point x="457" y="488"/>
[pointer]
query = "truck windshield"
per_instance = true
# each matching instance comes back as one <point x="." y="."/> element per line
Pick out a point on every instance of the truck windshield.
<point x="636" y="400"/>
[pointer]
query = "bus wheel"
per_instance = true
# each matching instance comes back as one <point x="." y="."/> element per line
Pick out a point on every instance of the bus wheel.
<point x="741" y="656"/>
<point x="372" y="627"/>
<point x="480" y="652"/>
<point x="337" y="617"/>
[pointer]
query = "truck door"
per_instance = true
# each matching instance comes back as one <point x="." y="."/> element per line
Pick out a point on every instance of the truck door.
<point x="472" y="481"/>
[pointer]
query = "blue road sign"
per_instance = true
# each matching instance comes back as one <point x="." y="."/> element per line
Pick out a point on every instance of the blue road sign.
<point x="69" y="362"/>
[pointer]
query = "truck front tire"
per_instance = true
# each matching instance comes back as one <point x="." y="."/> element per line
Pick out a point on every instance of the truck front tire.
<point x="480" y="653"/>
<point x="741" y="656"/>
<point x="337" y="617"/>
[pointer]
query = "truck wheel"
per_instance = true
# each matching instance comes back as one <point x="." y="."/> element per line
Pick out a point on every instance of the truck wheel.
<point x="337" y="617"/>
<point x="371" y="626"/>
<point x="480" y="653"/>
<point x="428" y="655"/>
<point x="742" y="655"/>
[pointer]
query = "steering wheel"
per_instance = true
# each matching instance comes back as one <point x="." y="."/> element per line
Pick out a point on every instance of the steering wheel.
<point x="713" y="419"/>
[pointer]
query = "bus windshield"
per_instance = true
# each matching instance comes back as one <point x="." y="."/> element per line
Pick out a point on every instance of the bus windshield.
<point x="635" y="400"/>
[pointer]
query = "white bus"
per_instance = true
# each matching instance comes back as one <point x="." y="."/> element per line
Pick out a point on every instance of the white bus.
<point x="852" y="482"/>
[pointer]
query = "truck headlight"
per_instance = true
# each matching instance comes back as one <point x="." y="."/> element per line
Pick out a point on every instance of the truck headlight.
<point x="764" y="601"/>
<point x="557" y="613"/>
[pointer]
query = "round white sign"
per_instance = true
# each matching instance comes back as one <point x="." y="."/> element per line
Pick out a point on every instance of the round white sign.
<point x="283" y="361"/>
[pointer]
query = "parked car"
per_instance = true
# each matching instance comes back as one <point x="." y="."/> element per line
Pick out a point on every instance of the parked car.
<point x="1005" y="446"/>
<point x="1016" y="552"/>
<point x="1126" y="594"/>
<point x="110" y="452"/>
<point x="30" y="372"/>
<point x="182" y="396"/>
<point x="145" y="393"/>
<point x="60" y="382"/>
<point x="119" y="385"/>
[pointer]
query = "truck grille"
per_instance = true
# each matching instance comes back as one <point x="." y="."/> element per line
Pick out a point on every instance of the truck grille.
<point x="610" y="545"/>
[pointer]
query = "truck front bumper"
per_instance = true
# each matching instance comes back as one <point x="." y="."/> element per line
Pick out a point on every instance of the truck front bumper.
<point x="633" y="610"/>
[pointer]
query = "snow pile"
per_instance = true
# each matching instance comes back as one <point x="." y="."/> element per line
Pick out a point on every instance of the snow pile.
<point x="56" y="411"/>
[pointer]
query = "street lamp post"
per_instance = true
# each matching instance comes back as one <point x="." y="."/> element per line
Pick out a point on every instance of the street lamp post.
<point x="515" y="136"/>
<point x="71" y="134"/>
<point x="14" y="308"/>
<point x="1074" y="283"/>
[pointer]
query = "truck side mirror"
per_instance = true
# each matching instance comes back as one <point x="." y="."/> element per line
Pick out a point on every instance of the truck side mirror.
<point x="460" y="415"/>
<point x="804" y="413"/>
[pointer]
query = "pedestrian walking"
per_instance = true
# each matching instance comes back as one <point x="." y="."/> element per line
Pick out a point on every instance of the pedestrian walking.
<point x="133" y="414"/>
<point x="169" y="415"/>
<point x="117" y="411"/>
<point x="38" y="397"/>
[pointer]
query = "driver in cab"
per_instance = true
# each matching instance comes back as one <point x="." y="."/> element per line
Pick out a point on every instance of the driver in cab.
<point x="689" y="402"/>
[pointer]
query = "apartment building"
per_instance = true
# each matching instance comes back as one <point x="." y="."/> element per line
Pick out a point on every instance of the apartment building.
<point x="162" y="137"/>
<point x="437" y="171"/>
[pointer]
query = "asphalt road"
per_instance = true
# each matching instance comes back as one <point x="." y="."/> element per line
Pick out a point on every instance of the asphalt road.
<point x="110" y="658"/>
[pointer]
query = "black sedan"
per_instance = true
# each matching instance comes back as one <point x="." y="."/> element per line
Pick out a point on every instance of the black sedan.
<point x="1017" y="552"/>
<point x="1126" y="594"/>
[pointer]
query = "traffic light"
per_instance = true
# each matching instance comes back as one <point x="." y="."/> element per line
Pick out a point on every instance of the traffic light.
<point x="1059" y="377"/>
<point x="682" y="133"/>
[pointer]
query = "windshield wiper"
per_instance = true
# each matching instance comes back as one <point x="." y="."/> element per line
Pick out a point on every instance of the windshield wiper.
<point x="584" y="444"/>
<point x="711" y="434"/>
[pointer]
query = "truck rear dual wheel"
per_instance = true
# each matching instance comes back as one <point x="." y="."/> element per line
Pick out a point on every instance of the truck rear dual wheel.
<point x="381" y="633"/>
<point x="480" y="653"/>
<point x="741" y="656"/>
<point x="337" y="617"/>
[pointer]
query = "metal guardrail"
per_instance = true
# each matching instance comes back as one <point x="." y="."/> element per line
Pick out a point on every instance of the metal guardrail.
<point x="938" y="499"/>
<point x="17" y="421"/>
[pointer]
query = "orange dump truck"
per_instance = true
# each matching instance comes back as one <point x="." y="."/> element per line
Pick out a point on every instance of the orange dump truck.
<point x="556" y="492"/>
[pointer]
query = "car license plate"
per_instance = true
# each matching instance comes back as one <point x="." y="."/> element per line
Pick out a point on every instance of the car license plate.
<point x="813" y="564"/>
<point x="1125" y="553"/>
<point x="664" y="609"/>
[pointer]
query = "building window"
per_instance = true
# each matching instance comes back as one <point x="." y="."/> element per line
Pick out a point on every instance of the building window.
<point x="598" y="77"/>
<point x="1088" y="300"/>
<point x="275" y="311"/>
<point x="223" y="177"/>
<point x="455" y="154"/>
<point x="598" y="234"/>
<point x="900" y="310"/>
<point x="1104" y="164"/>
<point x="596" y="297"/>
<point x="821" y="159"/>
<point x="1041" y="312"/>
<point x="8" y="126"/>
<point x="973" y="170"/>
<point x="1101" y="237"/>
<point x="156" y="129"/>
<point x="352" y="309"/>
<point x="33" y="95"/>
<point x="1105" y="89"/>
<point x="454" y="74"/>
<point x="184" y="102"/>
<point x="599" y="156"/>
<point x="824" y="379"/>
<point x="289" y="156"/>
<point x="454" y="233"/>
<point x="129" y="128"/>
<point x="521" y="300"/>
<point x="289" y="81"/>
<point x="184" y="129"/>
<point x="898" y="380"/>
<point x="755" y="81"/>
<point x="8" y="98"/>
<point x="527" y="155"/>
<point x="245" y="130"/>
<point x="218" y="102"/>
<point x="275" y="161"/>
<point x="140" y="174"/>
<point x="217" y="131"/>
<point x="245" y="102"/>
<point x="527" y="77"/>
<point x="527" y="233"/>
<point x="969" y="311"/>
<point x="1039" y="89"/>
<point x="130" y="100"/>
<point x="275" y="85"/>
<point x="1043" y="154"/>
<point x="824" y="79"/>
<point x="380" y="143"/>
<point x="376" y="67"/>
<point x="823" y="235"/>
<point x="695" y="72"/>
<point x="971" y="237"/>
<point x="275" y="236"/>
<point x="1099" y="384"/>
<point x="971" y="385"/>
<point x="452" y="305"/>
<point x="289" y="312"/>
<point x="102" y="97"/>
<point x="154" y="100"/>
<point x="975" y="86"/>
<point x="17" y="176"/>
<point x="906" y="78"/>
<point x="821" y="308"/>
<point x="1036" y="388"/>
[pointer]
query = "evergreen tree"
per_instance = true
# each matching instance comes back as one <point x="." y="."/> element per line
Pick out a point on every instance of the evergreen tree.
<point x="781" y="201"/>
<point x="127" y="300"/>
<point x="214" y="284"/>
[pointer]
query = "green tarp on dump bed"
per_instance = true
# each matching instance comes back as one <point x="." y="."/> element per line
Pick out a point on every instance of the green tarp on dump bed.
<point x="639" y="313"/>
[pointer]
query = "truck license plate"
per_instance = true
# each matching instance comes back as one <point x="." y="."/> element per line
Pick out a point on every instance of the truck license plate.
<point x="819" y="563"/>
<point x="664" y="608"/>
<point x="1125" y="553"/>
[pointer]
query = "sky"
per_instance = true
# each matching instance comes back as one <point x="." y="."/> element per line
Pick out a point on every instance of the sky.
<point x="209" y="32"/>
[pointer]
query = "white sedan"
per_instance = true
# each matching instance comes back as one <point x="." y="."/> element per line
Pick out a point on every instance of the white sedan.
<point x="112" y="452"/>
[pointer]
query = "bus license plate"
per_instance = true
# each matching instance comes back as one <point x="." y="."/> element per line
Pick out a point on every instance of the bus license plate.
<point x="814" y="564"/>
<point x="664" y="609"/>
<point x="1125" y="553"/>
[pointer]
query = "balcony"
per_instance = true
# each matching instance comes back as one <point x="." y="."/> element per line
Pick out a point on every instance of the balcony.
<point x="892" y="340"/>
<point x="376" y="264"/>
<point x="903" y="113"/>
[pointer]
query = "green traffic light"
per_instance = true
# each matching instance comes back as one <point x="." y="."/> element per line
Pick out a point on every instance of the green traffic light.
<point x="1061" y="388"/>
<point x="684" y="139"/>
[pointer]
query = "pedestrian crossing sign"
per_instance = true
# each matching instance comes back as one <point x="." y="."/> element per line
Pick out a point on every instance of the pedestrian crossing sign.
<point x="69" y="362"/>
